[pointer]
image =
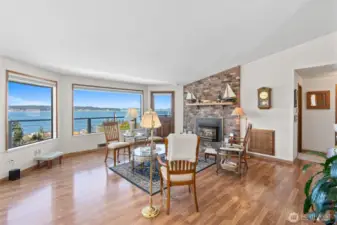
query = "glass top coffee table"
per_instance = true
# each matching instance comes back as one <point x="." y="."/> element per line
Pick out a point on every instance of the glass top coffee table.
<point x="135" y="138"/>
<point x="143" y="154"/>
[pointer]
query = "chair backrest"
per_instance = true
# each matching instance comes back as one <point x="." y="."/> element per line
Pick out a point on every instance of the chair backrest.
<point x="247" y="137"/>
<point x="111" y="131"/>
<point x="181" y="163"/>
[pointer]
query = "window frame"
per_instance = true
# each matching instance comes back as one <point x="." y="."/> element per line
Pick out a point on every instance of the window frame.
<point x="173" y="102"/>
<point x="128" y="90"/>
<point x="54" y="106"/>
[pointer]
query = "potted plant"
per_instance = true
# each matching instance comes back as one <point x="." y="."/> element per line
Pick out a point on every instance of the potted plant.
<point x="321" y="191"/>
<point x="100" y="127"/>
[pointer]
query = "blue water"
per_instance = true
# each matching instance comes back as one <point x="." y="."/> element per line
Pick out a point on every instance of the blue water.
<point x="79" y="124"/>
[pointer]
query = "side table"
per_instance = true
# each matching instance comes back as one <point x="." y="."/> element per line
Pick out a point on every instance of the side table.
<point x="223" y="155"/>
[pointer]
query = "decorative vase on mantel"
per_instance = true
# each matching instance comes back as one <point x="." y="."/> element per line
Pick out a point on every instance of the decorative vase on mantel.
<point x="219" y="98"/>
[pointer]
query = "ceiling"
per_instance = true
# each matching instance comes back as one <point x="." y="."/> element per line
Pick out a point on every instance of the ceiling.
<point x="318" y="71"/>
<point x="156" y="41"/>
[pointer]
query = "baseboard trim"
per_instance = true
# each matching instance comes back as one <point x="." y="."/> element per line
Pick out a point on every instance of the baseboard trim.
<point x="305" y="151"/>
<point x="72" y="154"/>
<point x="269" y="158"/>
<point x="309" y="150"/>
<point x="24" y="172"/>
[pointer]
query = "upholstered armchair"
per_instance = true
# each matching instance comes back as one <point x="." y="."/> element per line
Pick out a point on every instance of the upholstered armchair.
<point x="181" y="163"/>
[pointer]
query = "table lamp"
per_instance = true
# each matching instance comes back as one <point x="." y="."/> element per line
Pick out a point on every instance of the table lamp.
<point x="131" y="116"/>
<point x="150" y="120"/>
<point x="239" y="113"/>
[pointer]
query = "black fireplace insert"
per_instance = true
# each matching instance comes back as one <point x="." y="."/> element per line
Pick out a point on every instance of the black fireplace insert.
<point x="210" y="129"/>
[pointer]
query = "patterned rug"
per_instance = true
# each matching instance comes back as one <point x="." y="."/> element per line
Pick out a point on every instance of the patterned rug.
<point x="140" y="176"/>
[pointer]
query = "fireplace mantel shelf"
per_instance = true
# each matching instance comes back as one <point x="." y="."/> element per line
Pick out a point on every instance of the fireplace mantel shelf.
<point x="210" y="104"/>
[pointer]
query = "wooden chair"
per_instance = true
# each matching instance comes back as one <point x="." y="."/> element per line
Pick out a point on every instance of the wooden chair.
<point x="244" y="144"/>
<point x="179" y="172"/>
<point x="111" y="132"/>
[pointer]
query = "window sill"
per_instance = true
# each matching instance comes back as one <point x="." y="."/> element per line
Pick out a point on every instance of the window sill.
<point x="81" y="135"/>
<point x="98" y="133"/>
<point x="30" y="145"/>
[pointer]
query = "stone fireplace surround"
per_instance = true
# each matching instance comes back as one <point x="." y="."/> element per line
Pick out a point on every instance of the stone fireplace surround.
<point x="208" y="89"/>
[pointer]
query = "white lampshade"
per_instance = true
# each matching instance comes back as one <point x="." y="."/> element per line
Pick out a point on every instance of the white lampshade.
<point x="238" y="112"/>
<point x="150" y="120"/>
<point x="132" y="114"/>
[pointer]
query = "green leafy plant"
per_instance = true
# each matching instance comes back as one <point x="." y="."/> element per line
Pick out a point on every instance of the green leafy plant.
<point x="125" y="126"/>
<point x="321" y="191"/>
<point x="17" y="133"/>
<point x="38" y="136"/>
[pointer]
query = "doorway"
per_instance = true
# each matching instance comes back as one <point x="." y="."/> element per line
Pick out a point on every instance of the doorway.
<point x="335" y="136"/>
<point x="162" y="102"/>
<point x="299" y="115"/>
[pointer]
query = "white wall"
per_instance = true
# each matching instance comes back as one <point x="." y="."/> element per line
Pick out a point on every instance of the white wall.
<point x="23" y="156"/>
<point x="318" y="132"/>
<point x="179" y="103"/>
<point x="277" y="72"/>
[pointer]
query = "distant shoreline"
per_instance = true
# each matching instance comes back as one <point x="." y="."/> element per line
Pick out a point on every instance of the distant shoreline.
<point x="78" y="110"/>
<point x="40" y="108"/>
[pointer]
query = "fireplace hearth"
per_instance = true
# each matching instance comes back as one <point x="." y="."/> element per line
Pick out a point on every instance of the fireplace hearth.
<point x="210" y="129"/>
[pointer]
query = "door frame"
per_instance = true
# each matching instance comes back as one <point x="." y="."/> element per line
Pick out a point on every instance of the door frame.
<point x="299" y="117"/>
<point x="335" y="113"/>
<point x="172" y="104"/>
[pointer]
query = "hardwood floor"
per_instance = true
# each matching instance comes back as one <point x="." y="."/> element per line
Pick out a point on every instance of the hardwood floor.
<point x="83" y="191"/>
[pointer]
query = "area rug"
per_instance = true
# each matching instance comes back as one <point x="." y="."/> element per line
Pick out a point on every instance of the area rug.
<point x="140" y="176"/>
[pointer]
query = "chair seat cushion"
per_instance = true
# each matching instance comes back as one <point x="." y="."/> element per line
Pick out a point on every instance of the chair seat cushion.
<point x="156" y="138"/>
<point x="183" y="177"/>
<point x="210" y="151"/>
<point x="114" y="145"/>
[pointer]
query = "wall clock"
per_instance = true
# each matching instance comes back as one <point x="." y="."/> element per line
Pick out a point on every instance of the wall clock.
<point x="264" y="98"/>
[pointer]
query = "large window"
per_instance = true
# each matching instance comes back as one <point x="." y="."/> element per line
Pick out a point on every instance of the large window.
<point x="162" y="103"/>
<point x="30" y="109"/>
<point x="94" y="105"/>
